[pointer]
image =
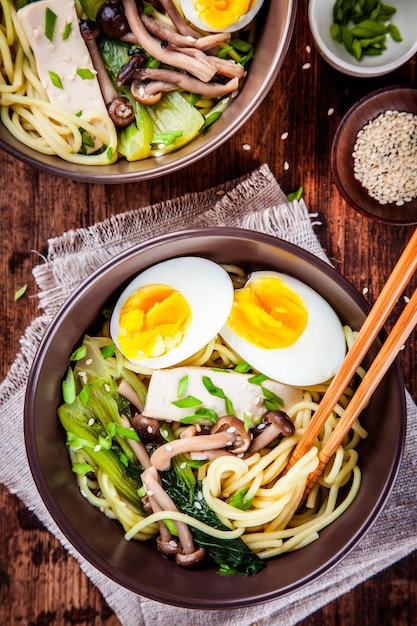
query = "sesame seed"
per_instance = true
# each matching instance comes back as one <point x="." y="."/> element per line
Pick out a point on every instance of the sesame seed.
<point x="246" y="146"/>
<point x="91" y="421"/>
<point x="385" y="157"/>
<point x="89" y="361"/>
<point x="286" y="165"/>
<point x="169" y="448"/>
<point x="306" y="66"/>
<point x="97" y="448"/>
<point x="365" y="290"/>
<point x="149" y="429"/>
<point x="284" y="135"/>
<point x="330" y="111"/>
<point x="149" y="493"/>
<point x="308" y="49"/>
<point x="197" y="505"/>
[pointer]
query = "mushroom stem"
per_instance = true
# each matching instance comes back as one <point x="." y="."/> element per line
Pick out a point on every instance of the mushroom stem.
<point x="161" y="458"/>
<point x="164" y="33"/>
<point x="202" y="70"/>
<point x="228" y="434"/>
<point x="119" y="108"/>
<point x="168" y="80"/>
<point x="161" y="500"/>
<point x="274" y="423"/>
<point x="127" y="391"/>
<point x="137" y="446"/>
<point x="180" y="24"/>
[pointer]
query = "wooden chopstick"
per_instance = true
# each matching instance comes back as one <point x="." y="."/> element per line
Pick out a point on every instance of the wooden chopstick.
<point x="377" y="370"/>
<point x="396" y="283"/>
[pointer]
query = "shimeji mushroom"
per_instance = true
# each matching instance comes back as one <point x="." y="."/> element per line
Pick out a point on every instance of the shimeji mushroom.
<point x="200" y="68"/>
<point x="186" y="553"/>
<point x="149" y="84"/>
<point x="274" y="424"/>
<point x="227" y="434"/>
<point x="119" y="108"/>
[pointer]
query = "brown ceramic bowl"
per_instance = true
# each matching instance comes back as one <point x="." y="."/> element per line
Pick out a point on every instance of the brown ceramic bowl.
<point x="395" y="98"/>
<point x="276" y="22"/>
<point x="137" y="565"/>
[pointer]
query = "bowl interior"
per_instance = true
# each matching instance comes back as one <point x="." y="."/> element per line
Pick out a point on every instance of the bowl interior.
<point x="397" y="53"/>
<point x="276" y="21"/>
<point x="367" y="109"/>
<point x="136" y="565"/>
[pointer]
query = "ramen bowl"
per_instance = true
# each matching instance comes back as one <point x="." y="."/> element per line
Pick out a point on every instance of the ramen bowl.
<point x="137" y="565"/>
<point x="275" y="26"/>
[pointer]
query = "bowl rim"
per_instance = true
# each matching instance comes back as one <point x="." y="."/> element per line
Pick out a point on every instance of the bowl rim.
<point x="87" y="551"/>
<point x="353" y="69"/>
<point x="169" y="163"/>
<point x="374" y="95"/>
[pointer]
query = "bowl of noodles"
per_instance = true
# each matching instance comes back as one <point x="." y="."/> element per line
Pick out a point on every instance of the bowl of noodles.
<point x="158" y="471"/>
<point x="141" y="92"/>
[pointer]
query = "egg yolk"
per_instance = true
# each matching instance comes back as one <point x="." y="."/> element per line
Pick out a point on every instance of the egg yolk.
<point x="221" y="14"/>
<point x="267" y="313"/>
<point x="153" y="321"/>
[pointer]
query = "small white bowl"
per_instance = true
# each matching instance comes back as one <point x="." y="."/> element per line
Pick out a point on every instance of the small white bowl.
<point x="320" y="15"/>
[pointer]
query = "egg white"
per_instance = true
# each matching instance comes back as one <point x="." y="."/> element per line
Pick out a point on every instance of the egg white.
<point x="316" y="355"/>
<point x="192" y="16"/>
<point x="208" y="290"/>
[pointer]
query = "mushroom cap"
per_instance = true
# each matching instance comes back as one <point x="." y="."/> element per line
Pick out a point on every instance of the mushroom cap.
<point x="235" y="426"/>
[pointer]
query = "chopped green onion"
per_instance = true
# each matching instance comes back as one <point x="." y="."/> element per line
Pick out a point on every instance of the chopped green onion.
<point x="194" y="98"/>
<point x="141" y="492"/>
<point x="246" y="422"/>
<point x="202" y="413"/>
<point x="67" y="31"/>
<point x="20" y="292"/>
<point x="81" y="469"/>
<point x="105" y="442"/>
<point x="243" y="367"/>
<point x="219" y="393"/>
<point x="272" y="401"/>
<point x="85" y="73"/>
<point x="50" y="21"/>
<point x="295" y="195"/>
<point x="210" y="119"/>
<point x="187" y="403"/>
<point x="84" y="395"/>
<point x="239" y="500"/>
<point x="182" y="386"/>
<point x="128" y="433"/>
<point x="55" y="80"/>
<point x="257" y="379"/>
<point x="79" y="353"/>
<point x="108" y="351"/>
<point x="109" y="153"/>
<point x="167" y="138"/>
<point x="68" y="387"/>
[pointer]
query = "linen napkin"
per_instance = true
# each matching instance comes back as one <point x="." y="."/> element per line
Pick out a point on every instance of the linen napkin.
<point x="254" y="202"/>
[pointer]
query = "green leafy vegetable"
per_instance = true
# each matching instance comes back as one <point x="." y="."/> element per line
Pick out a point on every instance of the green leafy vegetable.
<point x="232" y="556"/>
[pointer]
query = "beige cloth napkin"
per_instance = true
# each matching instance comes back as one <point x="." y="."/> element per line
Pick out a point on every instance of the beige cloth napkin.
<point x="254" y="202"/>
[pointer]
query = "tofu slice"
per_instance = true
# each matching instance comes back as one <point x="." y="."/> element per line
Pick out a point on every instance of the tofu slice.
<point x="63" y="61"/>
<point x="247" y="398"/>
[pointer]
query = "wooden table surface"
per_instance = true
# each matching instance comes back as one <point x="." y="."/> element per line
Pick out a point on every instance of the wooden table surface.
<point x="40" y="584"/>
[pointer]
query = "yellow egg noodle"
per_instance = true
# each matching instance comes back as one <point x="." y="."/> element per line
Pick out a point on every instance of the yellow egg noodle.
<point x="273" y="524"/>
<point x="90" y="137"/>
<point x="27" y="113"/>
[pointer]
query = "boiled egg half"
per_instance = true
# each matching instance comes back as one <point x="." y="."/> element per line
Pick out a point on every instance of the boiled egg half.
<point x="220" y="15"/>
<point x="171" y="311"/>
<point x="285" y="329"/>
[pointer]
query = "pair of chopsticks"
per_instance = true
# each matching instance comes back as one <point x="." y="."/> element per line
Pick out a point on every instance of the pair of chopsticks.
<point x="397" y="281"/>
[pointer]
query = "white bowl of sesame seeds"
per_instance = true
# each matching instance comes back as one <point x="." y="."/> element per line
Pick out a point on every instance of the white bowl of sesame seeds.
<point x="374" y="58"/>
<point x="374" y="156"/>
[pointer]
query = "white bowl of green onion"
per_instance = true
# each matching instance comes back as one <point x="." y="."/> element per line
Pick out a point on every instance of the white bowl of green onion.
<point x="364" y="38"/>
